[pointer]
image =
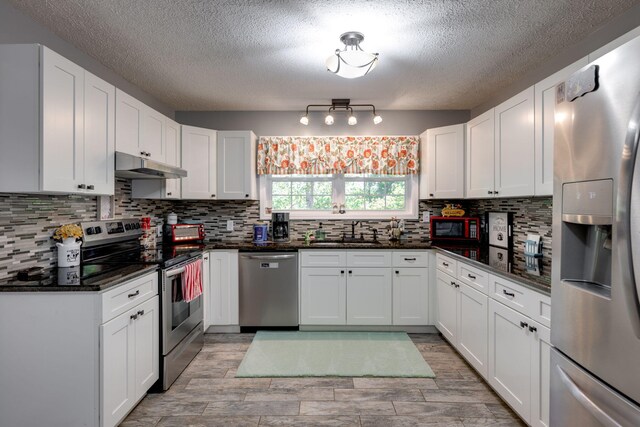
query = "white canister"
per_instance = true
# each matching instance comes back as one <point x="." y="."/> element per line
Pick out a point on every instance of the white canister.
<point x="68" y="252"/>
<point x="172" y="218"/>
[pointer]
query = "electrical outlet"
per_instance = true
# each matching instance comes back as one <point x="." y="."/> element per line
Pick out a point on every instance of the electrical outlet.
<point x="229" y="225"/>
<point x="426" y="216"/>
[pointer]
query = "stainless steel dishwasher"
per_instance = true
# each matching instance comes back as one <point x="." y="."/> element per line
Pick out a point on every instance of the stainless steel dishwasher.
<point x="268" y="289"/>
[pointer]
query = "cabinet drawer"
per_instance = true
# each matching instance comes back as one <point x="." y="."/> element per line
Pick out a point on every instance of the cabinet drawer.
<point x="377" y="258"/>
<point x="541" y="309"/>
<point x="121" y="298"/>
<point x="446" y="264"/>
<point x="323" y="258"/>
<point x="474" y="277"/>
<point x="511" y="294"/>
<point x="410" y="259"/>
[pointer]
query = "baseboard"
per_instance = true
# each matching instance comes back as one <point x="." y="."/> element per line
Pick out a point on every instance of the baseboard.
<point x="340" y="328"/>
<point x="226" y="329"/>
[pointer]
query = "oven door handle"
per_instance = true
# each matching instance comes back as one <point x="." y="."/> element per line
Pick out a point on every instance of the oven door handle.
<point x="175" y="272"/>
<point x="268" y="257"/>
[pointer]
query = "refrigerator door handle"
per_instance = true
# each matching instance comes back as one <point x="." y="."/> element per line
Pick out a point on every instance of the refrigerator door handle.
<point x="584" y="400"/>
<point x="627" y="204"/>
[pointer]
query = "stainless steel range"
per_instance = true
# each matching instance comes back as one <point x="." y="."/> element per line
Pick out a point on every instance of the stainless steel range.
<point x="112" y="243"/>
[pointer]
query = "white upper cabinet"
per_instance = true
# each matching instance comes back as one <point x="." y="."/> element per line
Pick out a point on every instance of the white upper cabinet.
<point x="444" y="163"/>
<point x="163" y="188"/>
<point x="480" y="155"/>
<point x="56" y="124"/>
<point x="199" y="160"/>
<point x="500" y="150"/>
<point x="514" y="146"/>
<point x="62" y="123"/>
<point x="129" y="112"/>
<point x="173" y="146"/>
<point x="237" y="177"/>
<point x="139" y="128"/>
<point x="545" y="108"/>
<point x="99" y="134"/>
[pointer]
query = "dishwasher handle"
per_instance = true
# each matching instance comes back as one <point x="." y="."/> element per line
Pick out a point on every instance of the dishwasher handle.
<point x="268" y="257"/>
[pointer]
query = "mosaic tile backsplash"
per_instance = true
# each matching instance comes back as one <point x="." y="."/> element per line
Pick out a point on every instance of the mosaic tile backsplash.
<point x="28" y="221"/>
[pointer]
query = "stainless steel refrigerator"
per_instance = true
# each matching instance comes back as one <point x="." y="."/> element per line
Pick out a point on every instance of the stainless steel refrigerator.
<point x="595" y="362"/>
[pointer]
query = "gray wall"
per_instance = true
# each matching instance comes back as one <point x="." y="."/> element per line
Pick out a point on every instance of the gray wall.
<point x="271" y="123"/>
<point x="605" y="34"/>
<point x="16" y="27"/>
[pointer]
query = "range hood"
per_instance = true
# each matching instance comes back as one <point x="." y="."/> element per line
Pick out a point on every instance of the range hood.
<point x="136" y="167"/>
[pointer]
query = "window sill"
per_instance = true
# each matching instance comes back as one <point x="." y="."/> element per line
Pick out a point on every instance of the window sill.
<point x="297" y="215"/>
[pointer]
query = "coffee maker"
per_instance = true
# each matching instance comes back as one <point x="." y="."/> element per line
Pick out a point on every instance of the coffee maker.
<point x="280" y="227"/>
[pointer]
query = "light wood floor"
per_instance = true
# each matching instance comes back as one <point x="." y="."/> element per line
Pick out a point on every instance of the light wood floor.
<point x="207" y="394"/>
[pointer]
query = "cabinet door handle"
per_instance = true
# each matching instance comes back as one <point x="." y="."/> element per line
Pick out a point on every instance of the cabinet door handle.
<point x="213" y="195"/>
<point x="135" y="294"/>
<point x="133" y="316"/>
<point x="471" y="276"/>
<point x="430" y="194"/>
<point x="206" y="258"/>
<point x="246" y="195"/>
<point x="341" y="271"/>
<point x="453" y="283"/>
<point x="82" y="186"/>
<point x="169" y="193"/>
<point x="409" y="259"/>
<point x="532" y="329"/>
<point x="350" y="272"/>
<point x="445" y="264"/>
<point x="142" y="153"/>
<point x="141" y="313"/>
<point x="495" y="192"/>
<point x="90" y="187"/>
<point x="523" y="324"/>
<point x="457" y="286"/>
<point x="509" y="294"/>
<point x="397" y="272"/>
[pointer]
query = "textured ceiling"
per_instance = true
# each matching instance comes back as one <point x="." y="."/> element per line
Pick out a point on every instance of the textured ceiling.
<point x="269" y="55"/>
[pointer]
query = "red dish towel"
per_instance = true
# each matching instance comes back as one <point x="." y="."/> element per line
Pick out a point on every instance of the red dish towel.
<point x="192" y="281"/>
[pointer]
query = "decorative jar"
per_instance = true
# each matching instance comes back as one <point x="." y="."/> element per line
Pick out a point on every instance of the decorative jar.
<point x="69" y="252"/>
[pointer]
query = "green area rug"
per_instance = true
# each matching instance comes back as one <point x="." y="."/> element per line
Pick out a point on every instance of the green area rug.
<point x="333" y="354"/>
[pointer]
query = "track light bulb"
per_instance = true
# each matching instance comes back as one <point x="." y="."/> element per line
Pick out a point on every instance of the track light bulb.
<point x="328" y="120"/>
<point x="377" y="119"/>
<point x="304" y="120"/>
<point x="352" y="120"/>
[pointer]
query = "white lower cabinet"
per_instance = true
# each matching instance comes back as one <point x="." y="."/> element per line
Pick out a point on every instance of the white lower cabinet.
<point x="519" y="351"/>
<point x="462" y="319"/>
<point x="472" y="327"/>
<point x="83" y="358"/>
<point x="364" y="288"/>
<point x="323" y="296"/>
<point x="410" y="296"/>
<point x="369" y="293"/>
<point x="447" y="306"/>
<point x="221" y="294"/>
<point x="129" y="357"/>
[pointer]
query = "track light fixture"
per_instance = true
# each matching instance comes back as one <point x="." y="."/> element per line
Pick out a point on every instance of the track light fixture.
<point x="340" y="104"/>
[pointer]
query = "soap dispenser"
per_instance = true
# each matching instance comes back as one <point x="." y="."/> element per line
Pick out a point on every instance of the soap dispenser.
<point x="321" y="234"/>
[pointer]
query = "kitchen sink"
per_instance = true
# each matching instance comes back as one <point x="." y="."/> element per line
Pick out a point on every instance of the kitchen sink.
<point x="345" y="242"/>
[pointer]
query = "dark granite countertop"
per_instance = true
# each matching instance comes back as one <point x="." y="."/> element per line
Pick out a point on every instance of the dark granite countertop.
<point x="327" y="244"/>
<point x="515" y="270"/>
<point x="67" y="280"/>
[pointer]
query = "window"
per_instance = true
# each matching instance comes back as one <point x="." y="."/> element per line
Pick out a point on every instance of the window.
<point x="321" y="196"/>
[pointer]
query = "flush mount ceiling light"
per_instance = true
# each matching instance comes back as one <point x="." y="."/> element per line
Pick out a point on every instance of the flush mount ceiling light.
<point x="352" y="62"/>
<point x="341" y="104"/>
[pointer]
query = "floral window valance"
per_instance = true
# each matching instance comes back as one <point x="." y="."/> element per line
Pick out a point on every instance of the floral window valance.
<point x="381" y="155"/>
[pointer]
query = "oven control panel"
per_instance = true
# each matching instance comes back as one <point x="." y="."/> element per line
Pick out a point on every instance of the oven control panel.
<point x="111" y="230"/>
